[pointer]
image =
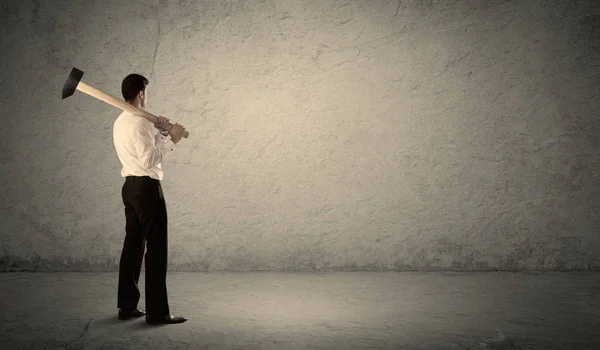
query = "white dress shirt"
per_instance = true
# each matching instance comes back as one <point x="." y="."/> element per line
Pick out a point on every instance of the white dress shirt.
<point x="140" y="146"/>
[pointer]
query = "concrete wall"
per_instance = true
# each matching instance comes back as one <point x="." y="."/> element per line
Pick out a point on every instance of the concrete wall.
<point x="324" y="134"/>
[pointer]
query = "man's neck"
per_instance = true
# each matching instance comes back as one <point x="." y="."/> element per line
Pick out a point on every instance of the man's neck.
<point x="135" y="104"/>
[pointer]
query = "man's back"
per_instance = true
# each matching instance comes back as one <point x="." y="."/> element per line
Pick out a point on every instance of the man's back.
<point x="139" y="146"/>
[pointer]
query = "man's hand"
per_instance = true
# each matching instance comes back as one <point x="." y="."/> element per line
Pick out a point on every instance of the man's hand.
<point x="162" y="124"/>
<point x="176" y="133"/>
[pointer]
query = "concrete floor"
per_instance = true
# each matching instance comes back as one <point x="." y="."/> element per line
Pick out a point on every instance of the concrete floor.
<point x="330" y="310"/>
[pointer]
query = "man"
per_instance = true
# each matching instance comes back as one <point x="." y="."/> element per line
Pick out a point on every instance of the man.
<point x="141" y="148"/>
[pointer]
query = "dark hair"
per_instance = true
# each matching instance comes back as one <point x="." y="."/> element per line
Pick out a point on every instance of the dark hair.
<point x="132" y="85"/>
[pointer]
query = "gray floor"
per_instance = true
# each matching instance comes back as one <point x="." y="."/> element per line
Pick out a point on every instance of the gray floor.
<point x="329" y="310"/>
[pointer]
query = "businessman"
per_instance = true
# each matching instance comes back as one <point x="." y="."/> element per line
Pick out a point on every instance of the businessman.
<point x="141" y="147"/>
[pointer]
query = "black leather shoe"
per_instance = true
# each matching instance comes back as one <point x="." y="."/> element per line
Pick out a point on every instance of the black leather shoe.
<point x="125" y="315"/>
<point x="168" y="319"/>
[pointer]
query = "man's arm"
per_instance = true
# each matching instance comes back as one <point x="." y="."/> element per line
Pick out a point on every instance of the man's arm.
<point x="149" y="151"/>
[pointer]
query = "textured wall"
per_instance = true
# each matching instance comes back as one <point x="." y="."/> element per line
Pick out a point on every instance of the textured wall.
<point x="324" y="134"/>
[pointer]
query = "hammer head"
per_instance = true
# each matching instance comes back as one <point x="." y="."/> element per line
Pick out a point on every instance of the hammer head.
<point x="71" y="83"/>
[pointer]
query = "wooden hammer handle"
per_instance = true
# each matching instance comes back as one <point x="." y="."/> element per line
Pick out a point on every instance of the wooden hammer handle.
<point x="111" y="100"/>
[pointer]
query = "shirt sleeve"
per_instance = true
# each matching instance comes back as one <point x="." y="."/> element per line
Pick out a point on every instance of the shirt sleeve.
<point x="160" y="140"/>
<point x="149" y="151"/>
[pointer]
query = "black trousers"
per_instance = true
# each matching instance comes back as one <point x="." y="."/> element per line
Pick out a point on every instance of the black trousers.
<point x="146" y="224"/>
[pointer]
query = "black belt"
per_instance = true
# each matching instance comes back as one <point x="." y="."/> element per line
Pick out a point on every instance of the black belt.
<point x="131" y="177"/>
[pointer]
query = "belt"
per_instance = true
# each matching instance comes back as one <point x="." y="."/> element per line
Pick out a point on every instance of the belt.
<point x="132" y="177"/>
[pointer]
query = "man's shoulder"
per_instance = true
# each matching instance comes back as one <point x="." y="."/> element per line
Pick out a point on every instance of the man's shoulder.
<point x="132" y="118"/>
<point x="127" y="122"/>
<point x="123" y="116"/>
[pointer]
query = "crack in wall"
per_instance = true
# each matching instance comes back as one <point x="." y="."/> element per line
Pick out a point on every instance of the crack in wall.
<point x="158" y="35"/>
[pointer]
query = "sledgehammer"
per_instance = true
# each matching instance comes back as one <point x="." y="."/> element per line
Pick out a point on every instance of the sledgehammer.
<point x="74" y="83"/>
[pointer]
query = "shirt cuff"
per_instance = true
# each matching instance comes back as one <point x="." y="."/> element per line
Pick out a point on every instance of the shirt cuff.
<point x="160" y="139"/>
